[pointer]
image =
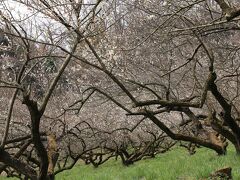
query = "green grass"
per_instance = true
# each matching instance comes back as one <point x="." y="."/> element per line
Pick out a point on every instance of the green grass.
<point x="175" y="164"/>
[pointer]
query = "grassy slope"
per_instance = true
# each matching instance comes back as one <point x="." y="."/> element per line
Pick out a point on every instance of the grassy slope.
<point x="176" y="164"/>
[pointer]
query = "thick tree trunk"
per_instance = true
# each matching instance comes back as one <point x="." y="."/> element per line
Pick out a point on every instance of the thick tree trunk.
<point x="36" y="137"/>
<point x="40" y="149"/>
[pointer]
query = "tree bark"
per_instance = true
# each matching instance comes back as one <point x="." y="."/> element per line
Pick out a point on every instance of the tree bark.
<point x="181" y="137"/>
<point x="36" y="137"/>
<point x="18" y="165"/>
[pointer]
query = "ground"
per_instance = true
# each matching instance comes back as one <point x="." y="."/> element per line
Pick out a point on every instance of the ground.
<point x="175" y="164"/>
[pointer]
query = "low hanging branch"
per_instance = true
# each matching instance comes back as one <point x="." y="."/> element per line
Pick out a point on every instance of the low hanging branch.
<point x="7" y="159"/>
<point x="230" y="12"/>
<point x="219" y="149"/>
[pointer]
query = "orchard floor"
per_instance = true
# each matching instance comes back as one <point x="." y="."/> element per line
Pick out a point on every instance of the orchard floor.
<point x="175" y="164"/>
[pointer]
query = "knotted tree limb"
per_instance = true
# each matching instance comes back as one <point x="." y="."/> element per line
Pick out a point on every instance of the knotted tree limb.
<point x="176" y="136"/>
<point x="230" y="12"/>
<point x="18" y="165"/>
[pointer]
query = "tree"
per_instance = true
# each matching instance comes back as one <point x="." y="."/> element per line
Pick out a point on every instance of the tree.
<point x="87" y="67"/>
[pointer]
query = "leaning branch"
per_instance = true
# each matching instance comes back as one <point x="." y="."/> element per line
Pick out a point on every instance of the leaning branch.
<point x="57" y="77"/>
<point x="230" y="12"/>
<point x="18" y="165"/>
<point x="182" y="137"/>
